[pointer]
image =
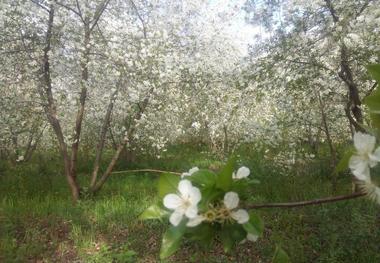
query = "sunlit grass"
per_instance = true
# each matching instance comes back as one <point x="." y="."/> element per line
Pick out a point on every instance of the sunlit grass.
<point x="38" y="221"/>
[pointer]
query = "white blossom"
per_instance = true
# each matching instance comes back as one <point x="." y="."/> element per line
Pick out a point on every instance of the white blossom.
<point x="252" y="237"/>
<point x="20" y="158"/>
<point x="365" y="157"/>
<point x="231" y="201"/>
<point x="184" y="203"/>
<point x="195" y="221"/>
<point x="190" y="172"/>
<point x="243" y="172"/>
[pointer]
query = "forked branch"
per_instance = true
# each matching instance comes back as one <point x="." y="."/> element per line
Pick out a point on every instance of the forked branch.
<point x="319" y="201"/>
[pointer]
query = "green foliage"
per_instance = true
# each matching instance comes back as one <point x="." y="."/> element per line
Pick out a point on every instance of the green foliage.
<point x="373" y="100"/>
<point x="172" y="240"/>
<point x="203" y="234"/>
<point x="231" y="235"/>
<point x="153" y="212"/>
<point x="374" y="71"/>
<point x="343" y="163"/>
<point x="39" y="223"/>
<point x="280" y="256"/>
<point x="217" y="219"/>
<point x="204" y="178"/>
<point x="224" y="180"/>
<point x="167" y="184"/>
<point x="255" y="226"/>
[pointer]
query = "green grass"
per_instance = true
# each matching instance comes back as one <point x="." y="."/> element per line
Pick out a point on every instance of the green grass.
<point x="39" y="223"/>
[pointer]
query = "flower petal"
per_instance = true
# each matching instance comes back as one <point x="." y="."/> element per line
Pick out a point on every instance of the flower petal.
<point x="195" y="221"/>
<point x="358" y="164"/>
<point x="175" y="218"/>
<point x="364" y="143"/>
<point x="243" y="172"/>
<point x="193" y="170"/>
<point x="252" y="237"/>
<point x="195" y="195"/>
<point x="191" y="211"/>
<point x="183" y="175"/>
<point x="185" y="187"/>
<point x="231" y="200"/>
<point x="375" y="156"/>
<point x="241" y="216"/>
<point x="172" y="201"/>
<point x="363" y="175"/>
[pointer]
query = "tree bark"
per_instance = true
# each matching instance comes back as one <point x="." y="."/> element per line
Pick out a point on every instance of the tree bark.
<point x="333" y="161"/>
<point x="102" y="138"/>
<point x="51" y="109"/>
<point x="82" y="100"/>
<point x="125" y="141"/>
<point x="345" y="73"/>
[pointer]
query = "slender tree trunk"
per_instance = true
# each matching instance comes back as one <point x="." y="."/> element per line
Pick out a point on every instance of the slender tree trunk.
<point x="82" y="100"/>
<point x="98" y="185"/>
<point x="225" y="144"/>
<point x="345" y="73"/>
<point x="113" y="141"/>
<point x="102" y="138"/>
<point x="333" y="160"/>
<point x="32" y="143"/>
<point x="110" y="167"/>
<point x="50" y="109"/>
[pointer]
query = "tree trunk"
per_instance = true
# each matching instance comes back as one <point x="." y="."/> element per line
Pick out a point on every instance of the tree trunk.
<point x="333" y="161"/>
<point x="102" y="138"/>
<point x="50" y="109"/>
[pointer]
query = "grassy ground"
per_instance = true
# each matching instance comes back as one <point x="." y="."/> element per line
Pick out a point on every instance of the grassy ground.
<point x="39" y="224"/>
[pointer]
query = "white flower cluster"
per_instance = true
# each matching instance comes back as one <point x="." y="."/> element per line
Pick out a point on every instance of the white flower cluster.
<point x="366" y="157"/>
<point x="185" y="204"/>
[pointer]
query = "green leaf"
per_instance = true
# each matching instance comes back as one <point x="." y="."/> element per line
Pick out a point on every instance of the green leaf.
<point x="204" y="178"/>
<point x="231" y="235"/>
<point x="209" y="195"/>
<point x="167" y="184"/>
<point x="280" y="256"/>
<point x="224" y="180"/>
<point x="374" y="71"/>
<point x="240" y="186"/>
<point x="253" y="181"/>
<point x="343" y="163"/>
<point x="153" y="212"/>
<point x="255" y="226"/>
<point x="375" y="121"/>
<point x="373" y="101"/>
<point x="172" y="240"/>
<point x="204" y="234"/>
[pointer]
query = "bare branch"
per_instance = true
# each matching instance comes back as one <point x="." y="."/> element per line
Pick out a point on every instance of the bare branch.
<point x="98" y="13"/>
<point x="139" y="16"/>
<point x="307" y="203"/>
<point x="78" y="13"/>
<point x="271" y="205"/>
<point x="39" y="4"/>
<point x="145" y="170"/>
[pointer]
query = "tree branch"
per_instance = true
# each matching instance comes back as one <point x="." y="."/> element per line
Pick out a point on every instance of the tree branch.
<point x="139" y="16"/>
<point x="78" y="13"/>
<point x="145" y="170"/>
<point x="270" y="205"/>
<point x="98" y="13"/>
<point x="40" y="5"/>
<point x="307" y="203"/>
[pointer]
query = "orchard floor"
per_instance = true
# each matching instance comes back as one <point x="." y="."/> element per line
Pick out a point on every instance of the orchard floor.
<point x="38" y="223"/>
